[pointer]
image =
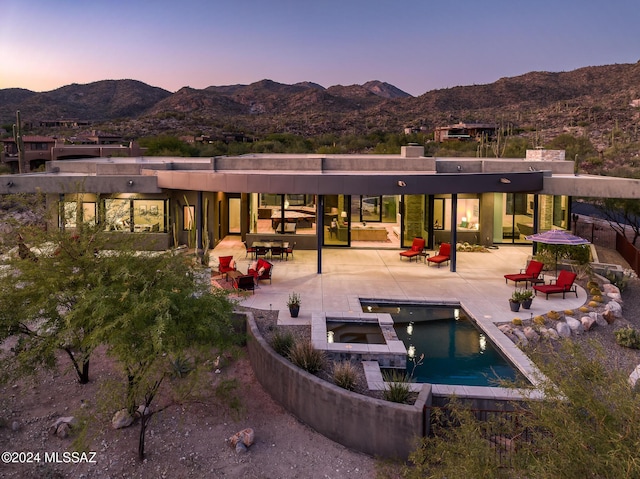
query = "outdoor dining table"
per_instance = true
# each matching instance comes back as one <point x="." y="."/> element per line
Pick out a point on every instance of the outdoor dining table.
<point x="267" y="246"/>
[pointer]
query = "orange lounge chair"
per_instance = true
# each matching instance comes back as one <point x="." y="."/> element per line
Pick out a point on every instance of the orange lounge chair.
<point x="443" y="255"/>
<point x="564" y="284"/>
<point x="532" y="273"/>
<point x="416" y="249"/>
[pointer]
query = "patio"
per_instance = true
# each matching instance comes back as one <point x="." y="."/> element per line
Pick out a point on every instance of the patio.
<point x="349" y="274"/>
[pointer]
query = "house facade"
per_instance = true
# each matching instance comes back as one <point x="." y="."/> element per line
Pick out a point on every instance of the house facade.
<point x="318" y="201"/>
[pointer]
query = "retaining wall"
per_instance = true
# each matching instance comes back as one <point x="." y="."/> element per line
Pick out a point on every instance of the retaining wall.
<point x="373" y="426"/>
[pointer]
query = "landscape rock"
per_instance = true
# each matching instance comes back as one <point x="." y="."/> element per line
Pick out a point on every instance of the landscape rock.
<point x="62" y="426"/>
<point x="563" y="329"/>
<point x="610" y="288"/>
<point x="609" y="316"/>
<point x="574" y="324"/>
<point x="588" y="322"/>
<point x="531" y="334"/>
<point x="553" y="334"/>
<point x="15" y="426"/>
<point x="121" y="419"/>
<point x="615" y="308"/>
<point x="245" y="437"/>
<point x="521" y="337"/>
<point x="599" y="319"/>
<point x="615" y="297"/>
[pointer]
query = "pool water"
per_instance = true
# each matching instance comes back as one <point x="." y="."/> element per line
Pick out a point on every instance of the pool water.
<point x="455" y="350"/>
<point x="354" y="332"/>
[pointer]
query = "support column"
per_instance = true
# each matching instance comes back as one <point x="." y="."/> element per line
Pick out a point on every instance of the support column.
<point x="536" y="221"/>
<point x="199" y="222"/>
<point x="320" y="229"/>
<point x="454" y="232"/>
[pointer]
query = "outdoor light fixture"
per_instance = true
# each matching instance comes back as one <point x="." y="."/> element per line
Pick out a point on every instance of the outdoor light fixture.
<point x="412" y="351"/>
<point x="9" y="183"/>
<point x="505" y="181"/>
<point x="401" y="184"/>
<point x="410" y="329"/>
<point x="130" y="182"/>
<point x="459" y="168"/>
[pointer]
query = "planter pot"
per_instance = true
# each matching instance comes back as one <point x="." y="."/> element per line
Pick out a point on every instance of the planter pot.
<point x="294" y="310"/>
<point x="526" y="304"/>
<point x="514" y="305"/>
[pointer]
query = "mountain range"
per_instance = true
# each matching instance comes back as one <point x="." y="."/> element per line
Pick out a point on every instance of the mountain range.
<point x="592" y="100"/>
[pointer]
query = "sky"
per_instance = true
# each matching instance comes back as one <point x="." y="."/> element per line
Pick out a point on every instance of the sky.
<point x="417" y="46"/>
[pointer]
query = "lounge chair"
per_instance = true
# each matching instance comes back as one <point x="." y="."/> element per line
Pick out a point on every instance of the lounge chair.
<point x="531" y="274"/>
<point x="260" y="270"/>
<point x="226" y="264"/>
<point x="416" y="249"/>
<point x="249" y="250"/>
<point x="444" y="253"/>
<point x="564" y="284"/>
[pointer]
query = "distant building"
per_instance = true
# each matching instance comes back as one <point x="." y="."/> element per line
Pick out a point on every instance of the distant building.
<point x="465" y="132"/>
<point x="37" y="151"/>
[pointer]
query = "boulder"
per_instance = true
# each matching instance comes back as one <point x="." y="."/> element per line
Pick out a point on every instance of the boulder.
<point x="574" y="324"/>
<point x="615" y="309"/>
<point x="587" y="322"/>
<point x="610" y="288"/>
<point x="121" y="419"/>
<point x="553" y="334"/>
<point x="531" y="334"/>
<point x="245" y="437"/>
<point x="521" y="337"/>
<point x="598" y="318"/>
<point x="563" y="329"/>
<point x="615" y="297"/>
<point x="62" y="426"/>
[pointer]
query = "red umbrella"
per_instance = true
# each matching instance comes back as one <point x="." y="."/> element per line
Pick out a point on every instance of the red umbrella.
<point x="557" y="237"/>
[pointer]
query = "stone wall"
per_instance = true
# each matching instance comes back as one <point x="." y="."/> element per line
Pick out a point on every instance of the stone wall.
<point x="373" y="426"/>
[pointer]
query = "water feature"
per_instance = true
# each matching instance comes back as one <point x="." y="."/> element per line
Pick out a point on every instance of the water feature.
<point x="455" y="351"/>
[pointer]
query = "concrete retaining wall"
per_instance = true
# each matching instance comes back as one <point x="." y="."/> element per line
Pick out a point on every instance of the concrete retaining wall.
<point x="373" y="426"/>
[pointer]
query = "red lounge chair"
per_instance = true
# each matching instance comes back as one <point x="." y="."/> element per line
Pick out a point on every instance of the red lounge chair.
<point x="443" y="254"/>
<point x="532" y="273"/>
<point x="261" y="271"/>
<point x="416" y="248"/>
<point x="564" y="284"/>
<point x="226" y="264"/>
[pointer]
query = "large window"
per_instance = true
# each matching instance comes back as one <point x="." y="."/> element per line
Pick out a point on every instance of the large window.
<point x="137" y="215"/>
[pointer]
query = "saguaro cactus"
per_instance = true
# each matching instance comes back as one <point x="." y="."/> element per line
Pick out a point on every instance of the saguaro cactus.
<point x="17" y="137"/>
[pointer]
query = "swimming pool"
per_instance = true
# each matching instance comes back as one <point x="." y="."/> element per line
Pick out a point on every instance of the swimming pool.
<point x="455" y="351"/>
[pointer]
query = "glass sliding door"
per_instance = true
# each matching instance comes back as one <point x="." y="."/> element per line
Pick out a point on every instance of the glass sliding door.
<point x="337" y="211"/>
<point x="414" y="216"/>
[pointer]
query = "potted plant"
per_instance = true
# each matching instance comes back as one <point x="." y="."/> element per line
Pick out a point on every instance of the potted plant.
<point x="527" y="298"/>
<point x="515" y="300"/>
<point x="294" y="304"/>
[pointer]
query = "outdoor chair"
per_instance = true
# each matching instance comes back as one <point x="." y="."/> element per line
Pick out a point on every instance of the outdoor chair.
<point x="530" y="274"/>
<point x="226" y="264"/>
<point x="289" y="251"/>
<point x="261" y="270"/>
<point x="564" y="284"/>
<point x="249" y="250"/>
<point x="277" y="251"/>
<point x="416" y="249"/>
<point x="444" y="253"/>
<point x="246" y="282"/>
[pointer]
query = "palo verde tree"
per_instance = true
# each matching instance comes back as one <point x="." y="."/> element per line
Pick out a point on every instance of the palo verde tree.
<point x="44" y="286"/>
<point x="160" y="312"/>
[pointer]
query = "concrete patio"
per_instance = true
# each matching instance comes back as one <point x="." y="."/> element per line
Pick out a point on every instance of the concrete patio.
<point x="349" y="274"/>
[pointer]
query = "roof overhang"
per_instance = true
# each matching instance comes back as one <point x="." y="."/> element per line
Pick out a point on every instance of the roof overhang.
<point x="592" y="186"/>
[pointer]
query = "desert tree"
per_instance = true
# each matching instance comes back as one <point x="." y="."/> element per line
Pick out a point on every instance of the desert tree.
<point x="45" y="285"/>
<point x="162" y="312"/>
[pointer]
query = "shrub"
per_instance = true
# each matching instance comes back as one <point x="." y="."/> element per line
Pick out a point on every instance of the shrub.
<point x="628" y="337"/>
<point x="306" y="357"/>
<point x="181" y="366"/>
<point x="539" y="320"/>
<point x="282" y="343"/>
<point x="517" y="321"/>
<point x="597" y="298"/>
<point x="593" y="304"/>
<point x="568" y="312"/>
<point x="595" y="292"/>
<point x="397" y="387"/>
<point x="553" y="315"/>
<point x="583" y="309"/>
<point x="345" y="375"/>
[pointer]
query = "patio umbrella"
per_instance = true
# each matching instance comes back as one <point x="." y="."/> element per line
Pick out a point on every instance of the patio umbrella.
<point x="557" y="237"/>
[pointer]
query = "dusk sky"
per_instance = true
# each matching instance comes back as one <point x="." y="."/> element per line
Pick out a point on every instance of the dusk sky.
<point x="416" y="46"/>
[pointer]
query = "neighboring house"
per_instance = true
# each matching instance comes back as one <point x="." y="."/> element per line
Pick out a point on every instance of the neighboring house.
<point x="37" y="151"/>
<point x="465" y="132"/>
<point x="168" y="201"/>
